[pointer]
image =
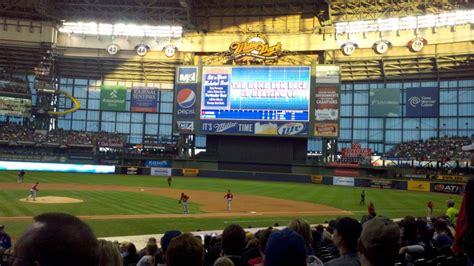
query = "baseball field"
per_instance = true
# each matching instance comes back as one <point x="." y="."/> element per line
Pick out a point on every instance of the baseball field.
<point x="119" y="205"/>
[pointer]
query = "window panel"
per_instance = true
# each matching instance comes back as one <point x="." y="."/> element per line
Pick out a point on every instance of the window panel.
<point x="346" y="122"/>
<point x="80" y="92"/>
<point x="93" y="104"/>
<point x="166" y="107"/>
<point x="448" y="110"/>
<point x="123" y="128"/>
<point x="361" y="110"/>
<point x="93" y="126"/>
<point x="166" y="96"/>
<point x="361" y="98"/>
<point x="79" y="114"/>
<point x="108" y="126"/>
<point x="346" y="134"/>
<point x="165" y="130"/>
<point x="448" y="96"/>
<point x="361" y="123"/>
<point x="137" y="128"/>
<point x="151" y="129"/>
<point x="93" y="115"/>
<point x="137" y="117"/>
<point x="376" y="123"/>
<point x="360" y="135"/>
<point x="152" y="118"/>
<point x="166" y="119"/>
<point x="78" y="125"/>
<point x="346" y="98"/>
<point x="393" y="136"/>
<point x="466" y="96"/>
<point x="375" y="135"/>
<point x="108" y="116"/>
<point x="123" y="117"/>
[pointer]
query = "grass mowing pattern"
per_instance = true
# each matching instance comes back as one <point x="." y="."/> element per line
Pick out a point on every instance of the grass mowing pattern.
<point x="391" y="203"/>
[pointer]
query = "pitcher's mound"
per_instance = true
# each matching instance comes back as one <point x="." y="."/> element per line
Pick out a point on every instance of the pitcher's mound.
<point x="52" y="200"/>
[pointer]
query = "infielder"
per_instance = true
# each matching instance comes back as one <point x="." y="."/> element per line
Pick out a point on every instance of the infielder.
<point x="430" y="209"/>
<point x="184" y="202"/>
<point x="33" y="191"/>
<point x="169" y="181"/>
<point x="362" y="198"/>
<point x="229" y="197"/>
<point x="21" y="175"/>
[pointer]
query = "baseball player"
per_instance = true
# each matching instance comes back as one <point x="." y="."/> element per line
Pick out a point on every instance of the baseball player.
<point x="362" y="198"/>
<point x="184" y="202"/>
<point x="33" y="191"/>
<point x="21" y="175"/>
<point x="430" y="209"/>
<point x="229" y="197"/>
<point x="169" y="181"/>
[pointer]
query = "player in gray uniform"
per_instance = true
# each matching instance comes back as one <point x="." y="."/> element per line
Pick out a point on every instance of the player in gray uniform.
<point x="184" y="202"/>
<point x="229" y="197"/>
<point x="33" y="191"/>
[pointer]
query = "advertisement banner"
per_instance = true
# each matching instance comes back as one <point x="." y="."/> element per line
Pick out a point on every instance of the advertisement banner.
<point x="419" y="186"/>
<point x="422" y="102"/>
<point x="378" y="183"/>
<point x="10" y="106"/>
<point x="343" y="181"/>
<point x="112" y="98"/>
<point x="256" y="128"/>
<point x="190" y="172"/>
<point x="330" y="130"/>
<point x="327" y="104"/>
<point x="185" y="126"/>
<point x="384" y="102"/>
<point x="144" y="99"/>
<point x="327" y="74"/>
<point x="158" y="163"/>
<point x="415" y="176"/>
<point x="317" y="179"/>
<point x="447" y="188"/>
<point x="186" y="75"/>
<point x="259" y="93"/>
<point x="452" y="177"/>
<point x="159" y="171"/>
<point x="186" y="102"/>
<point x="356" y="151"/>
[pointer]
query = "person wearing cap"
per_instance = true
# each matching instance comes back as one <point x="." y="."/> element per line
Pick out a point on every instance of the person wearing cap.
<point x="346" y="234"/>
<point x="288" y="248"/>
<point x="5" y="240"/>
<point x="379" y="242"/>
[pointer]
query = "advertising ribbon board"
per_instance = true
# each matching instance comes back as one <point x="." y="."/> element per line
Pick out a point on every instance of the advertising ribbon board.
<point x="452" y="178"/>
<point x="419" y="186"/>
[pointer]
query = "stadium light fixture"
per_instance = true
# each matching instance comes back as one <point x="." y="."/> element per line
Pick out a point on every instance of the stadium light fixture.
<point x="448" y="19"/>
<point x="120" y="29"/>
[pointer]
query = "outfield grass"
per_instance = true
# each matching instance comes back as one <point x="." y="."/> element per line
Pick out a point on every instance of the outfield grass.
<point x="392" y="203"/>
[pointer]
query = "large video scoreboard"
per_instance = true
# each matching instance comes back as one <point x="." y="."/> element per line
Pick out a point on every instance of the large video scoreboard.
<point x="255" y="93"/>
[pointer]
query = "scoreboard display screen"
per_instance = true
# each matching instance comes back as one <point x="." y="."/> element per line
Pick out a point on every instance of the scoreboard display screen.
<point x="261" y="93"/>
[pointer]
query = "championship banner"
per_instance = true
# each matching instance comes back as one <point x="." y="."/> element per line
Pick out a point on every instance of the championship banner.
<point x="384" y="102"/>
<point x="343" y="181"/>
<point x="452" y="177"/>
<point x="327" y="104"/>
<point x="447" y="188"/>
<point x="144" y="99"/>
<point x="112" y="98"/>
<point x="422" y="102"/>
<point x="317" y="179"/>
<point x="419" y="186"/>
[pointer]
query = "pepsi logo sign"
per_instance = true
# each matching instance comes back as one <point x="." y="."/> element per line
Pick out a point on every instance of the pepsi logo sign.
<point x="186" y="98"/>
<point x="291" y="129"/>
<point x="439" y="187"/>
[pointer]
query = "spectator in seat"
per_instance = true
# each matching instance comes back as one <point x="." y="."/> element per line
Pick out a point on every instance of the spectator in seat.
<point x="441" y="237"/>
<point x="150" y="259"/>
<point x="379" y="242"/>
<point x="464" y="238"/>
<point x="56" y="239"/>
<point x="185" y="249"/>
<point x="151" y="241"/>
<point x="346" y="235"/>
<point x="233" y="244"/>
<point x="165" y="241"/>
<point x="303" y="228"/>
<point x="223" y="261"/>
<point x="5" y="240"/>
<point x="262" y="243"/>
<point x="132" y="257"/>
<point x="109" y="254"/>
<point x="285" y="248"/>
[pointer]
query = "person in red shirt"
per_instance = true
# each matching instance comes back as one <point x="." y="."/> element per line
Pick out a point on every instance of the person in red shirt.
<point x="371" y="210"/>
<point x="33" y="191"/>
<point x="430" y="209"/>
<point x="184" y="202"/>
<point x="229" y="197"/>
<point x="20" y="176"/>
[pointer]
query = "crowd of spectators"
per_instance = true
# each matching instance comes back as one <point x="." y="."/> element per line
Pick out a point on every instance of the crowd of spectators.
<point x="434" y="149"/>
<point x="14" y="133"/>
<point x="373" y="241"/>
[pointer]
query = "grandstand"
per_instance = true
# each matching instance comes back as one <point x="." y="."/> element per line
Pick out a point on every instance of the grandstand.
<point x="120" y="109"/>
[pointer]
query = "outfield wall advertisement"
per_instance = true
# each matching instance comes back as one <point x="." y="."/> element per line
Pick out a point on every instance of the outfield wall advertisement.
<point x="343" y="181"/>
<point x="159" y="171"/>
<point x="419" y="186"/>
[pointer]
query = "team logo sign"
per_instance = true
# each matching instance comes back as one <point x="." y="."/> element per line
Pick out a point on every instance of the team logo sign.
<point x="186" y="98"/>
<point x="255" y="49"/>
